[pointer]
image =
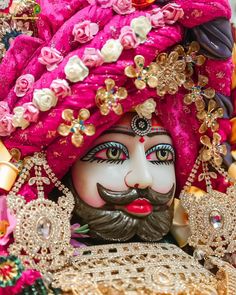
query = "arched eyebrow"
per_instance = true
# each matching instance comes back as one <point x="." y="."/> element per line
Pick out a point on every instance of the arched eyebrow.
<point x="129" y="132"/>
<point x="151" y="134"/>
<point x="120" y="131"/>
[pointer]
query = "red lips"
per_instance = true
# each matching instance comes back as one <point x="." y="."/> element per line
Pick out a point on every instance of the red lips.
<point x="139" y="207"/>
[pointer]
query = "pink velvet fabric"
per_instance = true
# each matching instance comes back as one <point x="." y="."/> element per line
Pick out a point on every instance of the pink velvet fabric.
<point x="55" y="27"/>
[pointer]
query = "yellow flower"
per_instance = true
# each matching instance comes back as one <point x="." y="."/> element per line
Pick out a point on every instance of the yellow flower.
<point x="210" y="117"/>
<point x="108" y="98"/>
<point x="76" y="126"/>
<point x="213" y="150"/>
<point x="197" y="93"/>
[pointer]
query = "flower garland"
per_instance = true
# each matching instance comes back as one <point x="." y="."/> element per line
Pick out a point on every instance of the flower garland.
<point x="77" y="69"/>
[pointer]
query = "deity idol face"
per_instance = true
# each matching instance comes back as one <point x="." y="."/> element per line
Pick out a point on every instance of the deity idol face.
<point x="125" y="184"/>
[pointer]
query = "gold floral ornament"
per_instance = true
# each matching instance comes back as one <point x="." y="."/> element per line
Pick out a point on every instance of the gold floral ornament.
<point x="213" y="150"/>
<point x="108" y="99"/>
<point x="191" y="56"/>
<point x="166" y="74"/>
<point x="76" y="126"/>
<point x="170" y="73"/>
<point x="197" y="93"/>
<point x="142" y="74"/>
<point x="210" y="117"/>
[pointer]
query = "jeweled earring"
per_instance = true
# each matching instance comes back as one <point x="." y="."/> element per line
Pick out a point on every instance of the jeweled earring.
<point x="42" y="233"/>
<point x="212" y="216"/>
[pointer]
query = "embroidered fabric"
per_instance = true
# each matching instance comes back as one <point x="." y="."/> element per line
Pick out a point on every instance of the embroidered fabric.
<point x="141" y="268"/>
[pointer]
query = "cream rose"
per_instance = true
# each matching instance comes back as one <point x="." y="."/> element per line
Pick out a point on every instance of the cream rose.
<point x="146" y="109"/>
<point x="18" y="118"/>
<point x="141" y="26"/>
<point x="111" y="50"/>
<point x="44" y="99"/>
<point x="75" y="69"/>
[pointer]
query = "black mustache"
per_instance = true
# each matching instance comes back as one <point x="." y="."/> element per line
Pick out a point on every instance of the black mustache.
<point x="128" y="196"/>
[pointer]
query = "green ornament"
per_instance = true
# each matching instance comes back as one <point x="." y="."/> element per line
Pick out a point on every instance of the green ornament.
<point x="37" y="9"/>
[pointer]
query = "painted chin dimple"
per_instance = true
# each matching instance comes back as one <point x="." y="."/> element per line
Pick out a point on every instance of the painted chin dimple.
<point x="140" y="207"/>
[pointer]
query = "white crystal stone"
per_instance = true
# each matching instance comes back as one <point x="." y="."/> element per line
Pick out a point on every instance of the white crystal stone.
<point x="216" y="219"/>
<point x="44" y="228"/>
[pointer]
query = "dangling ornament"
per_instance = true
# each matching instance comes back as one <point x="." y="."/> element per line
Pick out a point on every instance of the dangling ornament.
<point x="42" y="233"/>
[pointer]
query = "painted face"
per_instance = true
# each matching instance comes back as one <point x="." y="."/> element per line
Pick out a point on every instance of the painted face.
<point x="126" y="182"/>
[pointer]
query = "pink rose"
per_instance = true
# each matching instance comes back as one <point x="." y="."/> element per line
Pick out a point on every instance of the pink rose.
<point x="61" y="88"/>
<point x="172" y="12"/>
<point x="50" y="57"/>
<point x="92" y="57"/>
<point x="92" y="2"/>
<point x="85" y="31"/>
<point x="31" y="113"/>
<point x="156" y="18"/>
<point x="4" y="108"/>
<point x="128" y="38"/>
<point x="6" y="126"/>
<point x="7" y="221"/>
<point x="123" y="6"/>
<point x="105" y="3"/>
<point x="23" y="84"/>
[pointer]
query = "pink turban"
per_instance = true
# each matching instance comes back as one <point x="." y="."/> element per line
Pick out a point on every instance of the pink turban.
<point x="56" y="24"/>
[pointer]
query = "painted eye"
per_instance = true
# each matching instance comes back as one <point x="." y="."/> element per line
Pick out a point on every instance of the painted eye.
<point x="114" y="154"/>
<point x="161" y="154"/>
<point x="164" y="155"/>
<point x="111" y="152"/>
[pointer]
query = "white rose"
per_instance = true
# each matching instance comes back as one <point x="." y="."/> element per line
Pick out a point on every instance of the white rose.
<point x="18" y="118"/>
<point x="146" y="109"/>
<point x="44" y="99"/>
<point x="75" y="69"/>
<point x="111" y="50"/>
<point x="141" y="26"/>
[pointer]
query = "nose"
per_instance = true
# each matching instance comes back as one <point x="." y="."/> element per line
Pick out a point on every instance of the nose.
<point x="139" y="175"/>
